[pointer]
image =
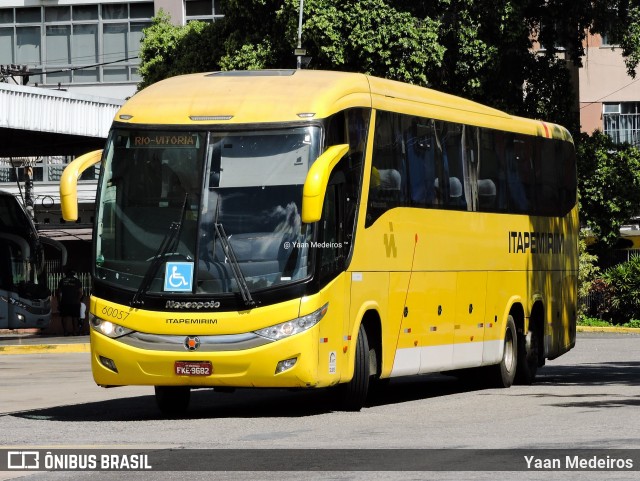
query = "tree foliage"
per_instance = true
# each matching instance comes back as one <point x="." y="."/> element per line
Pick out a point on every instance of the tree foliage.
<point x="369" y="36"/>
<point x="168" y="50"/>
<point x="587" y="268"/>
<point x="621" y="301"/>
<point x="608" y="185"/>
<point x="478" y="49"/>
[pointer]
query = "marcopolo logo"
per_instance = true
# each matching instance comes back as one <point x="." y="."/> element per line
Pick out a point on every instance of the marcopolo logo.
<point x="192" y="305"/>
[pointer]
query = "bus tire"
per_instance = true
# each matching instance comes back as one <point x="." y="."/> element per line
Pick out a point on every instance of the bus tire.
<point x="173" y="400"/>
<point x="528" y="353"/>
<point x="502" y="374"/>
<point x="355" y="391"/>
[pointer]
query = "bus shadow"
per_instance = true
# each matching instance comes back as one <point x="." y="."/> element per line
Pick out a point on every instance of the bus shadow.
<point x="205" y="403"/>
<point x="248" y="403"/>
<point x="601" y="375"/>
<point x="626" y="373"/>
<point x="269" y="403"/>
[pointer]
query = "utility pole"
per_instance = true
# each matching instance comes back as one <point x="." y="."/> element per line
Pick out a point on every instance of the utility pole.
<point x="300" y="51"/>
<point x="28" y="191"/>
<point x="27" y="164"/>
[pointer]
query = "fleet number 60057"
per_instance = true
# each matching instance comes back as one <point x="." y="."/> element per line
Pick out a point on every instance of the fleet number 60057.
<point x="114" y="313"/>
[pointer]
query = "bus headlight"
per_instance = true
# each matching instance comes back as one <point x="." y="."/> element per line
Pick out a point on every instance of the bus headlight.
<point x="108" y="328"/>
<point x="294" y="326"/>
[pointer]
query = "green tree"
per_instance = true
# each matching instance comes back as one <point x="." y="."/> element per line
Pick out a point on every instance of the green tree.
<point x="490" y="54"/>
<point x="478" y="49"/>
<point x="623" y="285"/>
<point x="358" y="35"/>
<point x="168" y="50"/>
<point x="587" y="272"/>
<point x="368" y="36"/>
<point x="608" y="185"/>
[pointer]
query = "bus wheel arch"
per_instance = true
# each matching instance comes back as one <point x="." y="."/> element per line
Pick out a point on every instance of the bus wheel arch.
<point x="373" y="328"/>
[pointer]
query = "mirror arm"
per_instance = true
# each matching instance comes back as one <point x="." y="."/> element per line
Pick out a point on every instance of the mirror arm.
<point x="317" y="180"/>
<point x="69" y="183"/>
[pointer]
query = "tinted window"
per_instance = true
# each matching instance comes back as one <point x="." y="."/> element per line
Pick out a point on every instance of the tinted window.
<point x="431" y="163"/>
<point x="388" y="184"/>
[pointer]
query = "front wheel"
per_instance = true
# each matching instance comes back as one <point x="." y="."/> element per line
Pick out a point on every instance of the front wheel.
<point x="173" y="400"/>
<point x="503" y="374"/>
<point x="354" y="393"/>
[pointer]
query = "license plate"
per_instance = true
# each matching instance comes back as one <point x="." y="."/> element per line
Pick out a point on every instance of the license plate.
<point x="193" y="368"/>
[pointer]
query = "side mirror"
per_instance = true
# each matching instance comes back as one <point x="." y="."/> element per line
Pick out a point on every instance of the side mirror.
<point x="315" y="185"/>
<point x="59" y="246"/>
<point x="69" y="183"/>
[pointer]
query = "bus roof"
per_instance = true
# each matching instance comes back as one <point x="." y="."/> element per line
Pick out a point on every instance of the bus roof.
<point x="268" y="96"/>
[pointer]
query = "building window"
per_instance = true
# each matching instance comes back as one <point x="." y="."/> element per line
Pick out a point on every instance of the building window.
<point x="75" y="44"/>
<point x="204" y="10"/>
<point x="622" y="122"/>
<point x="606" y="41"/>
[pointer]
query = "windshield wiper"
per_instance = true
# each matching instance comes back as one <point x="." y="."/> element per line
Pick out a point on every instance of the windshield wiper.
<point x="233" y="261"/>
<point x="235" y="267"/>
<point x="167" y="247"/>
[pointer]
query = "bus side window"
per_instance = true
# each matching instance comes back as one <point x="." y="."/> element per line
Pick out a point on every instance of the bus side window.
<point x="449" y="182"/>
<point x="331" y="234"/>
<point x="388" y="185"/>
<point x="520" y="176"/>
<point x="421" y="149"/>
<point x="567" y="160"/>
<point x="470" y="161"/>
<point x="491" y="173"/>
<point x="546" y="177"/>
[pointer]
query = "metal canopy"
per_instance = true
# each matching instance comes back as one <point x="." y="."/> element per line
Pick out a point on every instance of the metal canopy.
<point x="37" y="121"/>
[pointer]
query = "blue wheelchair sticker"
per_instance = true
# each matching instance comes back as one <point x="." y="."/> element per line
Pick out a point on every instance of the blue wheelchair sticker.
<point x="178" y="276"/>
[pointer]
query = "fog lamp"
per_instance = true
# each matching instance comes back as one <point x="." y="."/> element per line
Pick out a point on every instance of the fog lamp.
<point x="285" y="365"/>
<point x="108" y="363"/>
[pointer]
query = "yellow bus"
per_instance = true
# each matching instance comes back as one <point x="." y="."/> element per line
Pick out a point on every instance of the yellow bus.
<point x="309" y="229"/>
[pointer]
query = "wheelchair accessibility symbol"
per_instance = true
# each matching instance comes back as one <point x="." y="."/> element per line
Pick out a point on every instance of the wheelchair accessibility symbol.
<point x="178" y="276"/>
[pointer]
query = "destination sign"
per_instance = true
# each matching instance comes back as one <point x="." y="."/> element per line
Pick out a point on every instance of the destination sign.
<point x="164" y="141"/>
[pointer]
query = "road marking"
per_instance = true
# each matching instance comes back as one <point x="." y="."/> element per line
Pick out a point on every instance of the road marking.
<point x="44" y="348"/>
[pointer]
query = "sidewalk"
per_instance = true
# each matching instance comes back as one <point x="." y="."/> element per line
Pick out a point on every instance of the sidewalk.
<point x="25" y="342"/>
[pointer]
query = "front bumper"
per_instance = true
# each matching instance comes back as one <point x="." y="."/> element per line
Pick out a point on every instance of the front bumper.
<point x="250" y="367"/>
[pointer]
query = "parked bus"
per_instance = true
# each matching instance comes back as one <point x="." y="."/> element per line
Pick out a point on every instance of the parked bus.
<point x="24" y="295"/>
<point x="312" y="229"/>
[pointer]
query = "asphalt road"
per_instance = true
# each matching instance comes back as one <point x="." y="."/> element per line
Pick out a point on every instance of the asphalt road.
<point x="587" y="398"/>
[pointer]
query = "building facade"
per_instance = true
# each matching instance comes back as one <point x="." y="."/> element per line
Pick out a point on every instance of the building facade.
<point x="609" y="97"/>
<point x="80" y="49"/>
<point x="86" y="46"/>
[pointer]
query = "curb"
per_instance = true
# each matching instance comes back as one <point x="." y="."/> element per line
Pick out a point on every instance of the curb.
<point x="44" y="348"/>
<point x="621" y="330"/>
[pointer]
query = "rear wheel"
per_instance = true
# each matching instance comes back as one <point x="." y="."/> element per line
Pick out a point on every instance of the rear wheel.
<point x="503" y="374"/>
<point x="354" y="393"/>
<point x="528" y="357"/>
<point x="173" y="400"/>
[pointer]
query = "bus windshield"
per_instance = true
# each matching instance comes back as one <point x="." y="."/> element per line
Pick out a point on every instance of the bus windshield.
<point x="196" y="212"/>
<point x="22" y="266"/>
